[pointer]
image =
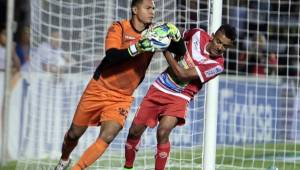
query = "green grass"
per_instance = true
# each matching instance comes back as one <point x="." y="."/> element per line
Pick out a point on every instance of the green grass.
<point x="9" y="166"/>
<point x="260" y="156"/>
<point x="248" y="157"/>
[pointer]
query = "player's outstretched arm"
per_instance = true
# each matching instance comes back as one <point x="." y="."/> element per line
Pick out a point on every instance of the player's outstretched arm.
<point x="181" y="74"/>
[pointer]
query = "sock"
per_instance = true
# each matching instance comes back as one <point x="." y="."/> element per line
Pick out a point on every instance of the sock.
<point x="131" y="147"/>
<point x="91" y="154"/>
<point x="162" y="155"/>
<point x="67" y="147"/>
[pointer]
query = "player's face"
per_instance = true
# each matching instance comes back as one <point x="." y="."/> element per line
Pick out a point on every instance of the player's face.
<point x="219" y="44"/>
<point x="145" y="11"/>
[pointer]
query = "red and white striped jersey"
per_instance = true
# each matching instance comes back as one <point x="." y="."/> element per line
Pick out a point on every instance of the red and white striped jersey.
<point x="196" y="56"/>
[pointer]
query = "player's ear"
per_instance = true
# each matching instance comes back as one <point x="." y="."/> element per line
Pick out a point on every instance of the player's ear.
<point x="134" y="10"/>
<point x="212" y="36"/>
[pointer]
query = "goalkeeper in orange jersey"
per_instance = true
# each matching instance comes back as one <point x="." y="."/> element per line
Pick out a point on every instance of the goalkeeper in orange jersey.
<point x="168" y="97"/>
<point x="107" y="98"/>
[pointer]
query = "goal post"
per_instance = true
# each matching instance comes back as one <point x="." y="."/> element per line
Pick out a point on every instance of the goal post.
<point x="211" y="102"/>
<point x="4" y="110"/>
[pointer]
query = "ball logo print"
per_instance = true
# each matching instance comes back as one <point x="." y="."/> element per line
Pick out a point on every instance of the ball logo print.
<point x="160" y="44"/>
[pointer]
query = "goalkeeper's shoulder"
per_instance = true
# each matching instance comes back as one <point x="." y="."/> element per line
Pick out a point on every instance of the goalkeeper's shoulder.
<point x="119" y="26"/>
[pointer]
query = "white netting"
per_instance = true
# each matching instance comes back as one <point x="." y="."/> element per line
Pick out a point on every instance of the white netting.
<point x="258" y="118"/>
<point x="78" y="28"/>
<point x="259" y="121"/>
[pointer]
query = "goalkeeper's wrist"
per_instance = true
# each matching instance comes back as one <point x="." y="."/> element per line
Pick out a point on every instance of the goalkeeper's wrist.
<point x="133" y="50"/>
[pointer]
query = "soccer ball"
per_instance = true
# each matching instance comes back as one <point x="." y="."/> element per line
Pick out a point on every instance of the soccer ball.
<point x="160" y="43"/>
<point x="158" y="34"/>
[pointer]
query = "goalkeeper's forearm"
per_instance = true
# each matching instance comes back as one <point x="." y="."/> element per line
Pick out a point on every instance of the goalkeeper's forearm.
<point x="115" y="56"/>
<point x="112" y="57"/>
<point x="177" y="48"/>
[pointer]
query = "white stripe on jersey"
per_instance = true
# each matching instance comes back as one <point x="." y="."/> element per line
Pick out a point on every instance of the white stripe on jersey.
<point x="199" y="74"/>
<point x="172" y="93"/>
<point x="196" y="51"/>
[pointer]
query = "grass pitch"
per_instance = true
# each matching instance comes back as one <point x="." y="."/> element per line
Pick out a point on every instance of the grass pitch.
<point x="258" y="157"/>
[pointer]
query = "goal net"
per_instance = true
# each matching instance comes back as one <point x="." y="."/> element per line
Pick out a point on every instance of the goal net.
<point x="258" y="120"/>
<point x="76" y="29"/>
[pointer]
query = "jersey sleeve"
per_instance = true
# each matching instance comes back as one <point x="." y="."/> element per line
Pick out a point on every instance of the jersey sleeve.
<point x="114" y="36"/>
<point x="188" y="34"/>
<point x="209" y="70"/>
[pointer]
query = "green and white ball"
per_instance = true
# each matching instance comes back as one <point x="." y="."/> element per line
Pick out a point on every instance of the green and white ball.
<point x="158" y="34"/>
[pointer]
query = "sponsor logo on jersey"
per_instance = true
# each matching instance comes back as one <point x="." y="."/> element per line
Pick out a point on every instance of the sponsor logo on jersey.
<point x="196" y="44"/>
<point x="213" y="71"/>
<point x="128" y="37"/>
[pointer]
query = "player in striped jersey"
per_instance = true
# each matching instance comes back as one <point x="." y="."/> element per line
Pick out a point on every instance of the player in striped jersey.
<point x="168" y="97"/>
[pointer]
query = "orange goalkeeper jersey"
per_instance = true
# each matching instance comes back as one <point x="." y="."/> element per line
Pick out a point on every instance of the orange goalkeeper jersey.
<point x="127" y="75"/>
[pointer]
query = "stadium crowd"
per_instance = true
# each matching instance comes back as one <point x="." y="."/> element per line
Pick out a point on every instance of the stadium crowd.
<point x="269" y="48"/>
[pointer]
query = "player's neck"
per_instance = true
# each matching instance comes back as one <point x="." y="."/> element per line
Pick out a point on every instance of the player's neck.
<point x="208" y="47"/>
<point x="137" y="25"/>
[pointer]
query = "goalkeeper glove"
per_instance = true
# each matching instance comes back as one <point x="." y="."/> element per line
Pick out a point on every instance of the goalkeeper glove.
<point x="143" y="45"/>
<point x="163" y="30"/>
<point x="173" y="32"/>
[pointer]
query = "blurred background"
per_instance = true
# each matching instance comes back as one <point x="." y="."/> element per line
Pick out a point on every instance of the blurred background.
<point x="267" y="28"/>
<point x="57" y="44"/>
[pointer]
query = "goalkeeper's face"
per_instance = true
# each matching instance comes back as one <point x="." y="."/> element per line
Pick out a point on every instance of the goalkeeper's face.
<point x="145" y="11"/>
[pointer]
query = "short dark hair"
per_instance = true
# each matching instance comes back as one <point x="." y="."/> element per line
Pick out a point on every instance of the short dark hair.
<point x="134" y="3"/>
<point x="228" y="30"/>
